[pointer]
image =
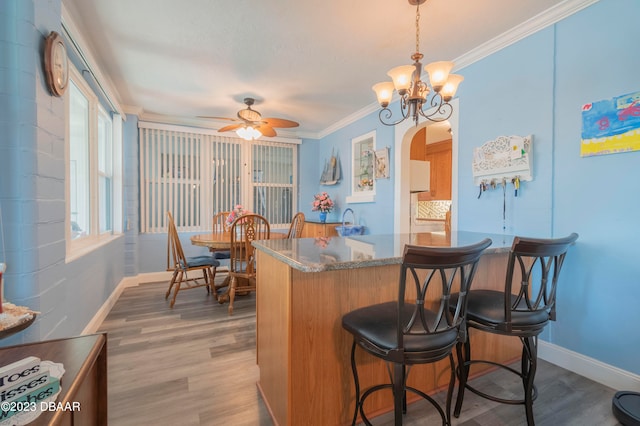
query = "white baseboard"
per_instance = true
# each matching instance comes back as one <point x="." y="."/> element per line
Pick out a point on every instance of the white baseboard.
<point x="104" y="310"/>
<point x="590" y="368"/>
<point x="150" y="277"/>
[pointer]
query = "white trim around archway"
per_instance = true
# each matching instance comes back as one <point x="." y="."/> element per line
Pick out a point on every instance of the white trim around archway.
<point x="404" y="133"/>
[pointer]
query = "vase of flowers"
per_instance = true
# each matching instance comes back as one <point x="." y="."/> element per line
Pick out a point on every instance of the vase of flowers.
<point x="322" y="203"/>
<point x="237" y="211"/>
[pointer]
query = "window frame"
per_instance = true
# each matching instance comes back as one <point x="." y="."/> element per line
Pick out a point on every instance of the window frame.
<point x="94" y="239"/>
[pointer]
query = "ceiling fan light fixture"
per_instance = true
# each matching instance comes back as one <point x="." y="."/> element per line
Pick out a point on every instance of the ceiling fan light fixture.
<point x="248" y="133"/>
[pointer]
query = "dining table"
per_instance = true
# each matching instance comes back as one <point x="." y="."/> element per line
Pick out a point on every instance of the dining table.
<point x="221" y="241"/>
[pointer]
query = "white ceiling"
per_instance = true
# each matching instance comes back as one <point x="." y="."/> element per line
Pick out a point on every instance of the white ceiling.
<point x="309" y="61"/>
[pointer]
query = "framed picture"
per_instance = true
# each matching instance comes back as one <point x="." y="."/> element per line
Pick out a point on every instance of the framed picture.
<point x="363" y="184"/>
<point x="382" y="164"/>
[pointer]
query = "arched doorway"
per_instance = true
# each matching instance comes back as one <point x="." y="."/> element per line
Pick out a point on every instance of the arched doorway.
<point x="404" y="133"/>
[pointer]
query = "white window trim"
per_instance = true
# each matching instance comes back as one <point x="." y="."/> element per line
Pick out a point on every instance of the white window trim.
<point x="79" y="247"/>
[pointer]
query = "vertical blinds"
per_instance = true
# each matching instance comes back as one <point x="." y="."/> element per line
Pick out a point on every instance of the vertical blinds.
<point x="195" y="175"/>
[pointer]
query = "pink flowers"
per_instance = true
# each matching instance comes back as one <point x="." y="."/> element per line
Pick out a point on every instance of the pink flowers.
<point x="237" y="211"/>
<point x="322" y="203"/>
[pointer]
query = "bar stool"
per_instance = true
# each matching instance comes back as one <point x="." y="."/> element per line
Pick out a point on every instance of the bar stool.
<point x="523" y="309"/>
<point x="425" y="331"/>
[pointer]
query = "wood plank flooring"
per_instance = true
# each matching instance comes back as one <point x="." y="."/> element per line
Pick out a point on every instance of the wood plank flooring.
<point x="195" y="365"/>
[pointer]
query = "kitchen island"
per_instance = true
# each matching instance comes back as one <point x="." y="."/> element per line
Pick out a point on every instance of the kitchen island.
<point x="306" y="285"/>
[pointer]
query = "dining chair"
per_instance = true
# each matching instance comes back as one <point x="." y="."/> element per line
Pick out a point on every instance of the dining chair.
<point x="220" y="225"/>
<point x="419" y="327"/>
<point x="297" y="224"/>
<point x="182" y="265"/>
<point x="242" y="269"/>
<point x="522" y="309"/>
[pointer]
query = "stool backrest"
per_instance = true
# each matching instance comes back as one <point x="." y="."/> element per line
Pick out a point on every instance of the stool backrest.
<point x="433" y="273"/>
<point x="532" y="277"/>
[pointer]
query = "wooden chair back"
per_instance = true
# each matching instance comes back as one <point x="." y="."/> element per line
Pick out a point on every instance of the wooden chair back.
<point x="297" y="224"/>
<point x="220" y="221"/>
<point x="242" y="267"/>
<point x="181" y="265"/>
<point x="175" y="254"/>
<point x="244" y="231"/>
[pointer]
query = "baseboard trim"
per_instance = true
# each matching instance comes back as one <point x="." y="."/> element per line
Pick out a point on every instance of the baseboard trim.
<point x="590" y="368"/>
<point x="104" y="310"/>
<point x="150" y="277"/>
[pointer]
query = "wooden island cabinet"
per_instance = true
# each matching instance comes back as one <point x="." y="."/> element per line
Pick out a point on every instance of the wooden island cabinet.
<point x="314" y="229"/>
<point x="83" y="386"/>
<point x="304" y="288"/>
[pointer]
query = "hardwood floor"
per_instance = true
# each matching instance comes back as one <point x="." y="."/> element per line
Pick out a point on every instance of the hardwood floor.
<point x="195" y="365"/>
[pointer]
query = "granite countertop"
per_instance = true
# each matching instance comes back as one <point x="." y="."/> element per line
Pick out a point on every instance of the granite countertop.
<point x="332" y="253"/>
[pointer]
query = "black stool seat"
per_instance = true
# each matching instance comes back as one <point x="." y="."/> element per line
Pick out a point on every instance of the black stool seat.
<point x="626" y="408"/>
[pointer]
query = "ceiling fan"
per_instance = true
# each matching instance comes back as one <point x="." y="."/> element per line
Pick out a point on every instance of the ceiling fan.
<point x="250" y="124"/>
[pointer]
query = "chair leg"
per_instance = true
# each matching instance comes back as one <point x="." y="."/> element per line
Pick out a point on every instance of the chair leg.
<point x="232" y="293"/>
<point x="452" y="382"/>
<point x="175" y="292"/>
<point x="212" y="280"/>
<point x="171" y="283"/>
<point x="205" y="277"/>
<point x="354" y="370"/>
<point x="464" y="355"/>
<point x="398" y="392"/>
<point x="529" y="366"/>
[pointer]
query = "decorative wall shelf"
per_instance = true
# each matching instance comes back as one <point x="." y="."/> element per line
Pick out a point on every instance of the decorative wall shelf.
<point x="505" y="158"/>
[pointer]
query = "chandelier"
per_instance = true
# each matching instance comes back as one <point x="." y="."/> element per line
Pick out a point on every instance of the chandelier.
<point x="248" y="133"/>
<point x="414" y="92"/>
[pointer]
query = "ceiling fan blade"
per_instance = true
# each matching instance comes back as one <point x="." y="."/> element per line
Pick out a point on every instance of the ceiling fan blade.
<point x="266" y="130"/>
<point x="280" y="122"/>
<point x="230" y="127"/>
<point x="219" y="118"/>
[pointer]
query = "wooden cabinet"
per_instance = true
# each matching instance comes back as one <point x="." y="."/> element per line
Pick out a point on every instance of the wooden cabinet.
<point x="318" y="229"/>
<point x="84" y="381"/>
<point x="439" y="155"/>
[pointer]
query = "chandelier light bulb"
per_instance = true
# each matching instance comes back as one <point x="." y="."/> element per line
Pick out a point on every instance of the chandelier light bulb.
<point x="384" y="92"/>
<point x="451" y="86"/>
<point x="401" y="77"/>
<point x="438" y="73"/>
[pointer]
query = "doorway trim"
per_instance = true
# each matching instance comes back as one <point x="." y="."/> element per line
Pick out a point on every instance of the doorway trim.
<point x="404" y="133"/>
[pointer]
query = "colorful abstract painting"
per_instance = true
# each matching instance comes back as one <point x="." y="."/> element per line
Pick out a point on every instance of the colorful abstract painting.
<point x="611" y="126"/>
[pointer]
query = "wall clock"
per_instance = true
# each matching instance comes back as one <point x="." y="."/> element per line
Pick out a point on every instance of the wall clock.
<point x="56" y="66"/>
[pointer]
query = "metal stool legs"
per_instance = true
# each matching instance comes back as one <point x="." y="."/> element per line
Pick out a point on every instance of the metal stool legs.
<point x="399" y="387"/>
<point x="528" y="366"/>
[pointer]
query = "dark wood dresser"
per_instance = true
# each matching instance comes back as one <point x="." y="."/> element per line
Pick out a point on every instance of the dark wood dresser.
<point x="84" y="381"/>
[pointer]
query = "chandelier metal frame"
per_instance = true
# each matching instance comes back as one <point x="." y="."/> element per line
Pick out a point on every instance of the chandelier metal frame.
<point x="413" y="92"/>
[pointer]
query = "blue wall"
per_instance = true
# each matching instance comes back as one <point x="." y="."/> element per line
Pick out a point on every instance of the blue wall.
<point x="537" y="87"/>
<point x="32" y="187"/>
<point x="376" y="216"/>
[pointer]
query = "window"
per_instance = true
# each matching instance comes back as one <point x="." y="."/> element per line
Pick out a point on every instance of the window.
<point x="91" y="171"/>
<point x="105" y="172"/>
<point x="363" y="184"/>
<point x="196" y="174"/>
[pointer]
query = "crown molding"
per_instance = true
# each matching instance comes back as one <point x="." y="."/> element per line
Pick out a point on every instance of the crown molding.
<point x="80" y="45"/>
<point x="542" y="20"/>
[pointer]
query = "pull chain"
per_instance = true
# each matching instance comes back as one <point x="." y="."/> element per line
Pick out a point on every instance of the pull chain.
<point x="418" y="27"/>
